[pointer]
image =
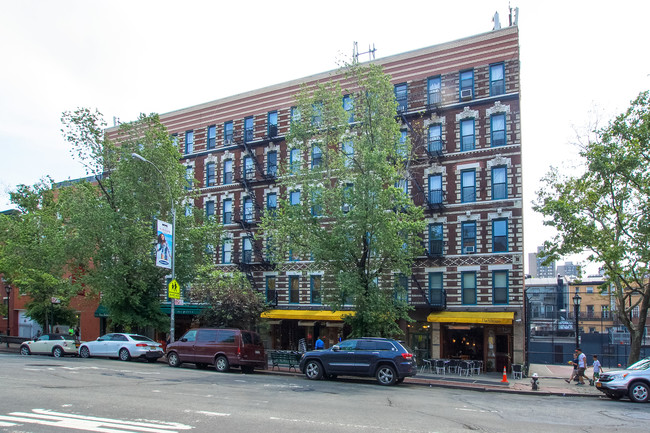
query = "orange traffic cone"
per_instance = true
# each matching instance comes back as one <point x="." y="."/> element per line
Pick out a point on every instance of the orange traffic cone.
<point x="505" y="375"/>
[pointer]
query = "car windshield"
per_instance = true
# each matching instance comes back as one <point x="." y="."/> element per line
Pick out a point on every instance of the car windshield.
<point x="68" y="337"/>
<point x="644" y="364"/>
<point x="140" y="338"/>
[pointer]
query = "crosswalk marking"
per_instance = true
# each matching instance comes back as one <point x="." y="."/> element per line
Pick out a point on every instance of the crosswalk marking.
<point x="89" y="423"/>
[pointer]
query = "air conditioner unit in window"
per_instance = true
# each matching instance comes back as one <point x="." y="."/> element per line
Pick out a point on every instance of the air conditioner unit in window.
<point x="466" y="94"/>
<point x="469" y="250"/>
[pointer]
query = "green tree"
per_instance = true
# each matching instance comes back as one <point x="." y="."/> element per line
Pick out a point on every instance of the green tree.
<point x="115" y="215"/>
<point x="606" y="212"/>
<point x="35" y="246"/>
<point x="342" y="205"/>
<point x="230" y="300"/>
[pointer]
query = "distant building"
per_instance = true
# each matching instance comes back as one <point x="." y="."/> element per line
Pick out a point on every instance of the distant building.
<point x="535" y="267"/>
<point x="569" y="269"/>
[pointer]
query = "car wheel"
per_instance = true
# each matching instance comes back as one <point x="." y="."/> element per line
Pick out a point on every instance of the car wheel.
<point x="173" y="360"/>
<point x="84" y="352"/>
<point x="639" y="392"/>
<point x="24" y="350"/>
<point x="124" y="354"/>
<point x="313" y="370"/>
<point x="57" y="352"/>
<point x="221" y="364"/>
<point x="386" y="375"/>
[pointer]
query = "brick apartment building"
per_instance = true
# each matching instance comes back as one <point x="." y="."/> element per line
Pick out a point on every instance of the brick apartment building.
<point x="460" y="101"/>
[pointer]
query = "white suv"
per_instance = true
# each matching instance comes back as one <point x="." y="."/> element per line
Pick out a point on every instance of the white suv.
<point x="634" y="382"/>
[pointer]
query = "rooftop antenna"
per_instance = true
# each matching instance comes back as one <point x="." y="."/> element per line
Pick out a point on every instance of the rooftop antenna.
<point x="356" y="53"/>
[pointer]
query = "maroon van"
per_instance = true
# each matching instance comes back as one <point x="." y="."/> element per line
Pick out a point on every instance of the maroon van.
<point x="223" y="348"/>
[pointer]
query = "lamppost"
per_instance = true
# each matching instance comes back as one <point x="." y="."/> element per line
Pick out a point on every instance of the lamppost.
<point x="576" y="312"/>
<point x="8" y="290"/>
<point x="173" y="261"/>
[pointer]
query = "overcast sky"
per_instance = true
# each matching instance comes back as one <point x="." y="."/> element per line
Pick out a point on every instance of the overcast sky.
<point x="125" y="57"/>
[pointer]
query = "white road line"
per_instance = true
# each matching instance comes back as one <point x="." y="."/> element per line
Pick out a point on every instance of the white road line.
<point x="203" y="412"/>
<point x="89" y="423"/>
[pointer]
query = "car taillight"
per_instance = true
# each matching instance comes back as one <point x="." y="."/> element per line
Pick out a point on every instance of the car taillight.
<point x="141" y="345"/>
<point x="407" y="356"/>
<point x="239" y="352"/>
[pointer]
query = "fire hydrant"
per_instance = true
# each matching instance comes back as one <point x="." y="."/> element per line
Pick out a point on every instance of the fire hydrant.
<point x="534" y="382"/>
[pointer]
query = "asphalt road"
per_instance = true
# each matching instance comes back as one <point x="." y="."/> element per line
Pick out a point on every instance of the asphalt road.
<point x="44" y="394"/>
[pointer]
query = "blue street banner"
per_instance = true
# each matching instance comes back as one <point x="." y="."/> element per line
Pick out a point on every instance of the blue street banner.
<point x="164" y="245"/>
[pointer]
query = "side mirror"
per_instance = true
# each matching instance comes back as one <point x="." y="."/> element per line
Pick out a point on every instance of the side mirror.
<point x="336" y="348"/>
<point x="99" y="339"/>
<point x="184" y="340"/>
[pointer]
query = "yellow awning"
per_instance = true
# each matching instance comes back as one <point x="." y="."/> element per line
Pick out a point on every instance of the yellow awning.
<point x="316" y="315"/>
<point x="484" y="317"/>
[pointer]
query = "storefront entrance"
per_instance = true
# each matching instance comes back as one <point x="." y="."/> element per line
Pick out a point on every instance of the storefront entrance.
<point x="463" y="342"/>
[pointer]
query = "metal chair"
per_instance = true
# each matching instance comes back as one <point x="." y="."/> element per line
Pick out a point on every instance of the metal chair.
<point x="441" y="366"/>
<point x="452" y="366"/>
<point x="477" y="367"/>
<point x="426" y="365"/>
<point x="464" y="368"/>
<point x="517" y="371"/>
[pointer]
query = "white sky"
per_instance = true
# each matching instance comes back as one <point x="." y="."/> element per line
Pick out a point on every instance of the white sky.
<point x="125" y="57"/>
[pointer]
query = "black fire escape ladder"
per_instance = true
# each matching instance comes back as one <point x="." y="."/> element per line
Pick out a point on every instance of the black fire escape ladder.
<point x="421" y="290"/>
<point x="258" y="167"/>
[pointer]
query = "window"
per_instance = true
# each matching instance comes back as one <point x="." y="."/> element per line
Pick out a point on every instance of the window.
<point x="468" y="287"/>
<point x="227" y="172"/>
<point x="590" y="311"/>
<point x="271" y="203"/>
<point x="189" y="209"/>
<point x="209" y="209"/>
<point x="500" y="235"/>
<point x="468" y="240"/>
<point x="189" y="177"/>
<point x="270" y="289"/>
<point x="227" y="133"/>
<point x="348" y="106"/>
<point x="249" y="169"/>
<point x="500" y="287"/>
<point x="315" y="289"/>
<point x="272" y="124"/>
<point x="436" y="294"/>
<point x="498" y="129"/>
<point x="226" y="252"/>
<point x="316" y="207"/>
<point x="604" y="310"/>
<point x="435" y="138"/>
<point x="295" y="115"/>
<point x="466" y="86"/>
<point x="210" y="174"/>
<point x="294" y="289"/>
<point x="403" y="185"/>
<point x="212" y="137"/>
<point x="468" y="186"/>
<point x="316" y="114"/>
<point x="316" y="156"/>
<point x="401" y="288"/>
<point x="497" y="80"/>
<point x="435" y="189"/>
<point x="189" y="141"/>
<point x="248" y="210"/>
<point x="227" y="211"/>
<point x="348" y="152"/>
<point x="401" y="96"/>
<point x="294" y="160"/>
<point x="247" y="250"/>
<point x="402" y="148"/>
<point x="467" y="135"/>
<point x="272" y="164"/>
<point x="174" y="138"/>
<point x="434" y="97"/>
<point x="435" y="239"/>
<point x="294" y="198"/>
<point x="347" y="198"/>
<point x="499" y="183"/>
<point x="248" y="129"/>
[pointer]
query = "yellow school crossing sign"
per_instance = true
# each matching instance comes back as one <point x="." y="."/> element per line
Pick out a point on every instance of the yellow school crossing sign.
<point x="174" y="290"/>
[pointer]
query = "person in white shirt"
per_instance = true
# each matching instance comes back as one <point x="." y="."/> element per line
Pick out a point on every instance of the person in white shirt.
<point x="582" y="365"/>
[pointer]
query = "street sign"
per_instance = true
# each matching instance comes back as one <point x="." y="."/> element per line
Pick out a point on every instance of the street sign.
<point x="174" y="290"/>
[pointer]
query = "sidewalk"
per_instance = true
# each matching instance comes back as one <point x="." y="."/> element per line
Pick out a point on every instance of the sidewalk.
<point x="551" y="380"/>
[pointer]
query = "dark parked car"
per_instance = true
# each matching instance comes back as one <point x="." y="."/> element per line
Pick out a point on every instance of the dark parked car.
<point x="390" y="361"/>
<point x="224" y="348"/>
<point x="633" y="382"/>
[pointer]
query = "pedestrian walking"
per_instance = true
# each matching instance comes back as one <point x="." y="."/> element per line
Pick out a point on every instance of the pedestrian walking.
<point x="582" y="365"/>
<point x="597" y="369"/>
<point x="574" y="373"/>
<point x="320" y="343"/>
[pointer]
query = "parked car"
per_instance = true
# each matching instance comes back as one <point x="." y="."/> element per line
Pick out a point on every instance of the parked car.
<point x="57" y="345"/>
<point x="223" y="348"/>
<point x="122" y="346"/>
<point x="634" y="382"/>
<point x="390" y="361"/>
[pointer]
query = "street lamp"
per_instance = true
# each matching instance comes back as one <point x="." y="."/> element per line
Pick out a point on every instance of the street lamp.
<point x="576" y="312"/>
<point x="171" y="196"/>
<point x="8" y="290"/>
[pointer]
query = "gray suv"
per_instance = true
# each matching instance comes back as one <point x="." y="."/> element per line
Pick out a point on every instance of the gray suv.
<point x="634" y="382"/>
<point x="390" y="361"/>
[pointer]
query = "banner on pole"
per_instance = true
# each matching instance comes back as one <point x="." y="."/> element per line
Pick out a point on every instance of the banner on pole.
<point x="163" y="245"/>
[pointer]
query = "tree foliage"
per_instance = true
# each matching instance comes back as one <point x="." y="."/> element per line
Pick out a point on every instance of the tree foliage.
<point x="606" y="211"/>
<point x="230" y="300"/>
<point x="351" y="219"/>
